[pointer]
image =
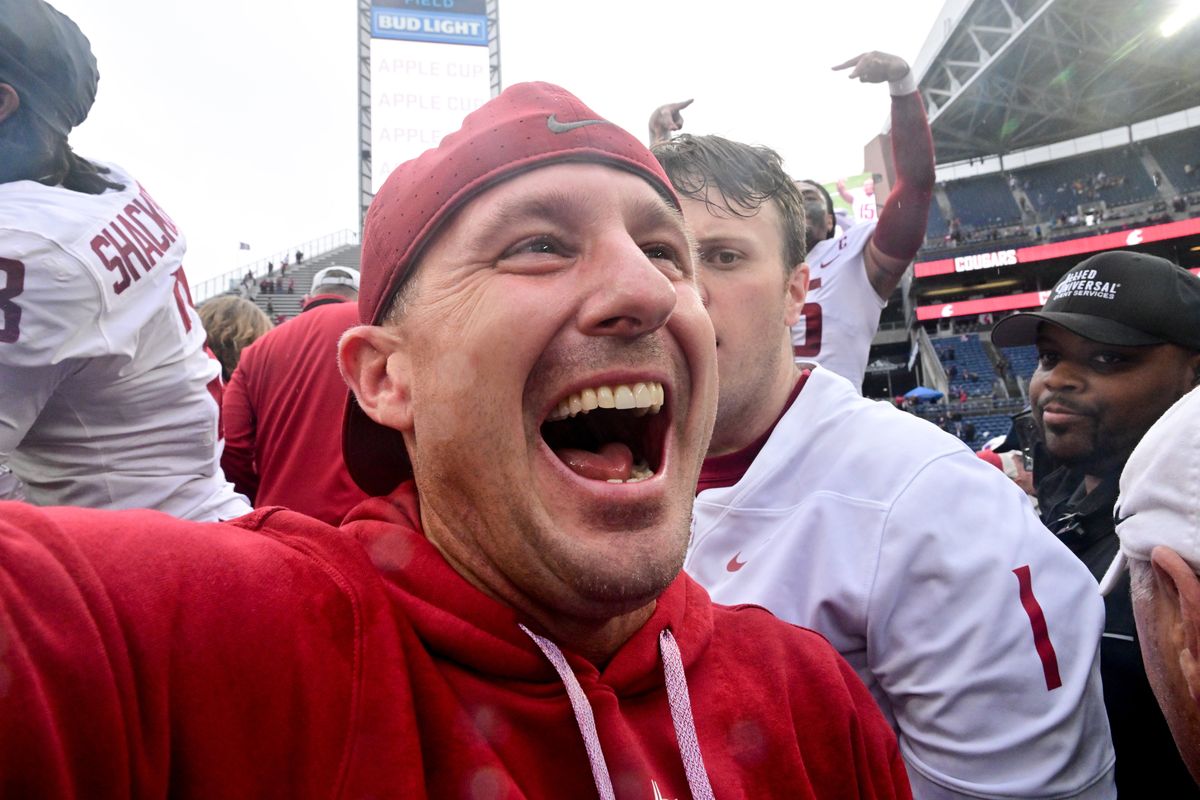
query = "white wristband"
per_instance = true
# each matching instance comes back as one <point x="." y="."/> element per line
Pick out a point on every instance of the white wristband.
<point x="906" y="85"/>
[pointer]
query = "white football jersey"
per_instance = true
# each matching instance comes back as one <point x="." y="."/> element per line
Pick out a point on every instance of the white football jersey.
<point x="975" y="629"/>
<point x="866" y="208"/>
<point x="841" y="311"/>
<point x="104" y="382"/>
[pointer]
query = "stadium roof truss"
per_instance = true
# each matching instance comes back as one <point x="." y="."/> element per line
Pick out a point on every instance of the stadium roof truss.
<point x="1015" y="74"/>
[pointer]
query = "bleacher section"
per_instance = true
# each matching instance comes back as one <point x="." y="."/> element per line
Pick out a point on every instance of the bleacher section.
<point x="969" y="359"/>
<point x="937" y="227"/>
<point x="974" y="429"/>
<point x="987" y="427"/>
<point x="984" y="201"/>
<point x="1173" y="152"/>
<point x="1021" y="360"/>
<point x="1061" y="187"/>
<point x="287" y="305"/>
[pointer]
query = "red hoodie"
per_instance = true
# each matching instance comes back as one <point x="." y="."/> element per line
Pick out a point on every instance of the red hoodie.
<point x="141" y="655"/>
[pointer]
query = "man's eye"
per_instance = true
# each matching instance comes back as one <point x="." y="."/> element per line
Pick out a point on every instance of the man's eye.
<point x="540" y="245"/>
<point x="1109" y="359"/>
<point x="534" y="246"/>
<point x="659" y="252"/>
<point x="722" y="258"/>
<point x="1047" y="360"/>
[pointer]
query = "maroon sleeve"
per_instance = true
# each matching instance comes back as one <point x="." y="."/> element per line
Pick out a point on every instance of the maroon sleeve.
<point x="60" y="664"/>
<point x="241" y="427"/>
<point x="146" y="656"/>
<point x="901" y="229"/>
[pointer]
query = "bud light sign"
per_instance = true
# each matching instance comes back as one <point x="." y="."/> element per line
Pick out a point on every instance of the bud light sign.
<point x="446" y="21"/>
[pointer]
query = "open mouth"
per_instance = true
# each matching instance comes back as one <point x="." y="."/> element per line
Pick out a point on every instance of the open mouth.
<point x="610" y="433"/>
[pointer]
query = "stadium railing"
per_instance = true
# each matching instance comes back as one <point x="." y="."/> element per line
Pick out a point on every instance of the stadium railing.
<point x="314" y="247"/>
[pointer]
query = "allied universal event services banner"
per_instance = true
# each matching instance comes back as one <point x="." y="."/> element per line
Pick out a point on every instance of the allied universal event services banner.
<point x="429" y="69"/>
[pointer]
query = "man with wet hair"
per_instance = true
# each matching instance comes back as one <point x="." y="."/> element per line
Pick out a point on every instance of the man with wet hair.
<point x="107" y="398"/>
<point x="854" y="272"/>
<point x="927" y="569"/>
<point x="534" y="382"/>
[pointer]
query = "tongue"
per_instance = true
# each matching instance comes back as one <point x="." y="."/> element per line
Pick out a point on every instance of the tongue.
<point x="615" y="460"/>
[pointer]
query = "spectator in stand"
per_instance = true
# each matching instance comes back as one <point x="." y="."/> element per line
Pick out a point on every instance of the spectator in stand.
<point x="105" y="388"/>
<point x="506" y="620"/>
<point x="815" y="503"/>
<point x="1118" y="342"/>
<point x="232" y="324"/>
<point x="270" y="268"/>
<point x="278" y="447"/>
<point x="299" y="256"/>
<point x="292" y="285"/>
<point x="270" y="309"/>
<point x="1158" y="525"/>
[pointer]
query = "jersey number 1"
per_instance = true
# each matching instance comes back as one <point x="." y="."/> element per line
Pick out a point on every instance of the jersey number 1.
<point x="1041" y="634"/>
<point x="11" y="312"/>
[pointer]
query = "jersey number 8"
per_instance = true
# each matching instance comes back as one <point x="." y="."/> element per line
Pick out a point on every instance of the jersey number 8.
<point x="10" y="312"/>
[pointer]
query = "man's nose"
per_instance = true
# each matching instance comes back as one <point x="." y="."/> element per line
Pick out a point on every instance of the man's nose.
<point x="1063" y="376"/>
<point x="628" y="294"/>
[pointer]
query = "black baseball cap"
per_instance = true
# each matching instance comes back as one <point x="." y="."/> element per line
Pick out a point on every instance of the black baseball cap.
<point x="1118" y="297"/>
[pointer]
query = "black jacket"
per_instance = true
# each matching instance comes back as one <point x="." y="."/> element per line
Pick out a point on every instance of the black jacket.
<point x="1146" y="753"/>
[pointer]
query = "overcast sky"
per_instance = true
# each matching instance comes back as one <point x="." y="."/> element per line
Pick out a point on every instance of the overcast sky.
<point x="240" y="116"/>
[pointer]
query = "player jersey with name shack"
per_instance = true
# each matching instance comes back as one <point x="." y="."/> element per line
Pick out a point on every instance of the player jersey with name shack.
<point x="104" y="382"/>
<point x="841" y="312"/>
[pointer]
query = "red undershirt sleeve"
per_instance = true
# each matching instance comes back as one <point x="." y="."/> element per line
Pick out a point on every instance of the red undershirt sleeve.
<point x="901" y="229"/>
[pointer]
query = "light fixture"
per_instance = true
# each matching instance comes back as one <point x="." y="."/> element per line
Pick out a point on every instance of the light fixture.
<point x="1185" y="12"/>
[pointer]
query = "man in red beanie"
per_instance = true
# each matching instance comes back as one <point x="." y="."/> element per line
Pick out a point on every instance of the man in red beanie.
<point x="534" y="387"/>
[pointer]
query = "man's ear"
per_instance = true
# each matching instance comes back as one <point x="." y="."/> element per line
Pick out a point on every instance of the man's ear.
<point x="9" y="101"/>
<point x="797" y="291"/>
<point x="1179" y="588"/>
<point x="1194" y="366"/>
<point x="378" y="370"/>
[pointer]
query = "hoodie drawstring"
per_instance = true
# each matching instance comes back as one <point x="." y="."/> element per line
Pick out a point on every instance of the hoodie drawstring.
<point x="677" y="698"/>
<point x="583" y="714"/>
<point x="681" y="715"/>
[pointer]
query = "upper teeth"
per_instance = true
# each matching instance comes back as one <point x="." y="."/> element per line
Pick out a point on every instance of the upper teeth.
<point x="648" y="396"/>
